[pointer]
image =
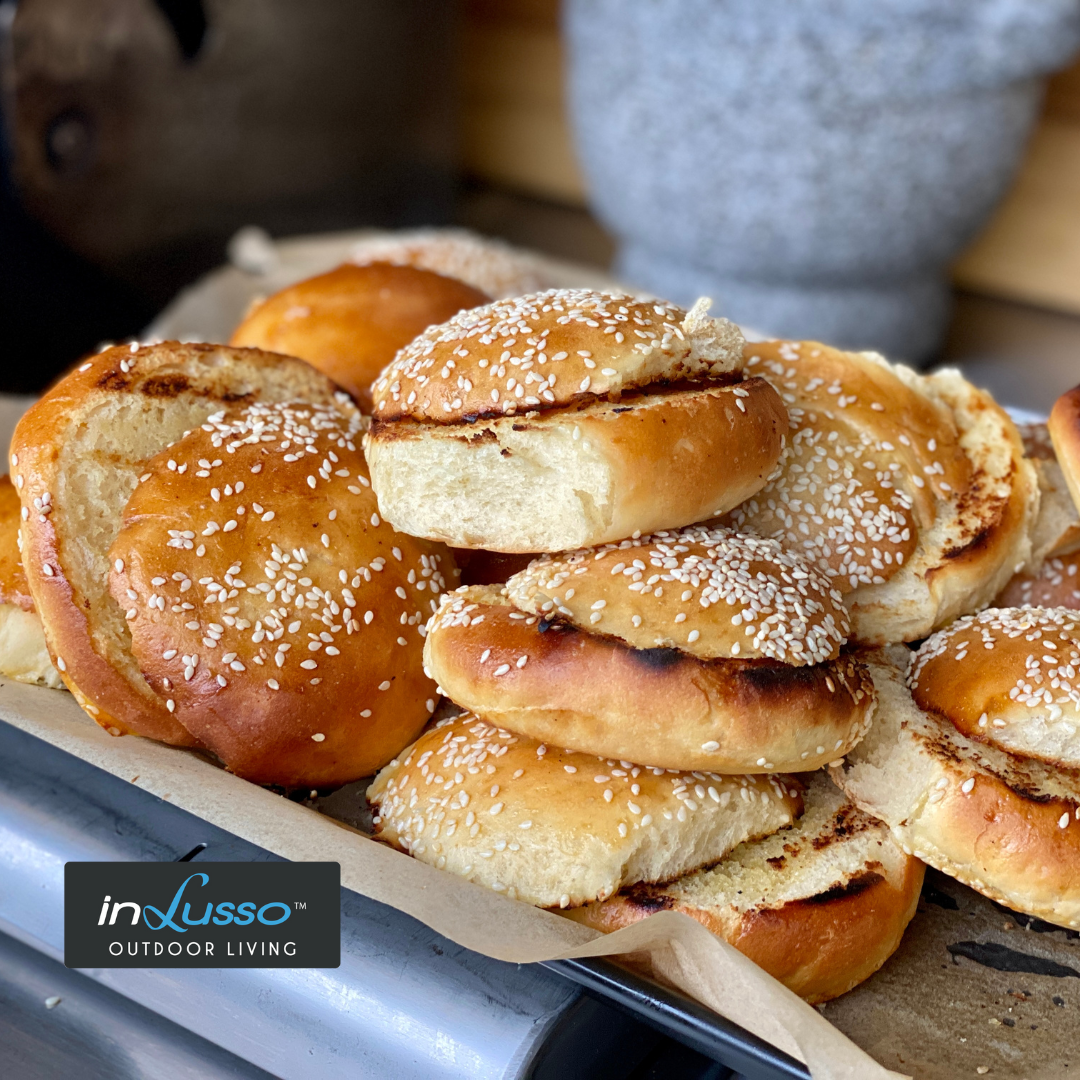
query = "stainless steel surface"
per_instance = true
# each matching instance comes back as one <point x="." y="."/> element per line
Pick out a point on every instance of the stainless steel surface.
<point x="404" y="1003"/>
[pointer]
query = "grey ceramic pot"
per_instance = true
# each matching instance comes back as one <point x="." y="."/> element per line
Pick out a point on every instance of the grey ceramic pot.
<point x="813" y="165"/>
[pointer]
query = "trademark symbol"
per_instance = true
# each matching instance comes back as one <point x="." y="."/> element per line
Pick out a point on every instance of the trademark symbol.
<point x="300" y="905"/>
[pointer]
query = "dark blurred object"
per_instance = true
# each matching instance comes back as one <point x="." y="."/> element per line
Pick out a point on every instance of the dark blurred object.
<point x="143" y="133"/>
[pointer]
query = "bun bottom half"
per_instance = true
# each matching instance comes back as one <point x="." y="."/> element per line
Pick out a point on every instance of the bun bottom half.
<point x="1007" y="826"/>
<point x="820" y="906"/>
<point x="580" y="475"/>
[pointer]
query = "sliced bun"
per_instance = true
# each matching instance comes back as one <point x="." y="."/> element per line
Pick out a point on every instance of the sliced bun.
<point x="539" y="676"/>
<point x="1005" y="825"/>
<point x="76" y="457"/>
<point x="581" y="475"/>
<point x="568" y="418"/>
<point x="488" y="265"/>
<point x="820" y="905"/>
<point x="23" y="653"/>
<point x="1008" y="677"/>
<point x="559" y="829"/>
<point x="912" y="492"/>
<point x="276" y="615"/>
<point x="350" y="322"/>
<point x="710" y="592"/>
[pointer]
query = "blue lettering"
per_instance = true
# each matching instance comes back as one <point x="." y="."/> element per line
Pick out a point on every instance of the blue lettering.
<point x="248" y="911"/>
<point x="274" y="922"/>
<point x="197" y="922"/>
<point x="167" y="917"/>
<point x="224" y="914"/>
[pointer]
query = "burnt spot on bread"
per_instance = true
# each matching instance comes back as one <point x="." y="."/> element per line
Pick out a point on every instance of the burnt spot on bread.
<point x="113" y="381"/>
<point x="769" y="677"/>
<point x="166" y="385"/>
<point x="854" y="886"/>
<point x="777" y="862"/>
<point x="658" y="658"/>
<point x="644" y="899"/>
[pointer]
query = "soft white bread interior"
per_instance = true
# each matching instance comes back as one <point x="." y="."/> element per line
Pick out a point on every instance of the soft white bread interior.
<point x="586" y="474"/>
<point x="556" y="828"/>
<point x="76" y="457"/>
<point x="1007" y="826"/>
<point x="820" y="905"/>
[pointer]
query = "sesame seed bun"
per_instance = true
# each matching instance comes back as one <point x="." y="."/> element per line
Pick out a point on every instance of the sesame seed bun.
<point x="820" y="905"/>
<point x="76" y="457"/>
<point x="23" y="653"/>
<point x="710" y="592"/>
<point x="539" y="676"/>
<point x="1054" y="584"/>
<point x="489" y="265"/>
<point x="559" y="829"/>
<point x="567" y="419"/>
<point x="1005" y="825"/>
<point x="1006" y="677"/>
<point x="912" y="492"/>
<point x="350" y="322"/>
<point x="269" y="606"/>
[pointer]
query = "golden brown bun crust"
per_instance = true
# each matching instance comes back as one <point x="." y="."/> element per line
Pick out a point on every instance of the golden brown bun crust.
<point x="1007" y="677"/>
<point x="13" y="585"/>
<point x="708" y="591"/>
<point x="558" y="829"/>
<point x="81" y="446"/>
<point x="1064" y="429"/>
<point x="596" y="695"/>
<point x="912" y="491"/>
<point x="1054" y="584"/>
<point x="546" y="350"/>
<point x="1006" y="825"/>
<point x="580" y="475"/>
<point x="821" y="937"/>
<point x="350" y="322"/>
<point x="265" y="597"/>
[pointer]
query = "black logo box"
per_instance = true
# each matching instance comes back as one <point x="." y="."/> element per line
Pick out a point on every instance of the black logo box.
<point x="202" y="915"/>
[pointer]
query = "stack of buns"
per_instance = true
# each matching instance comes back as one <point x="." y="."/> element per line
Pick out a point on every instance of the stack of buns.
<point x="684" y="671"/>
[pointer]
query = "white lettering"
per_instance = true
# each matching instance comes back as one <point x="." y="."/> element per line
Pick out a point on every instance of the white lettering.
<point x="136" y="911"/>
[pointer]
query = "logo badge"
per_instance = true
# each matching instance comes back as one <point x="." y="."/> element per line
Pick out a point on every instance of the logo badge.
<point x="212" y="914"/>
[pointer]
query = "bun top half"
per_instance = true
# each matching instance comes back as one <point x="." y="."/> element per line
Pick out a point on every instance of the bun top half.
<point x="708" y="591"/>
<point x="1009" y="677"/>
<point x="548" y="350"/>
<point x="274" y="612"/>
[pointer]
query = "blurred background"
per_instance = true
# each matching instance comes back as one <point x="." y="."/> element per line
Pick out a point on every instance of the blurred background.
<point x="139" y="135"/>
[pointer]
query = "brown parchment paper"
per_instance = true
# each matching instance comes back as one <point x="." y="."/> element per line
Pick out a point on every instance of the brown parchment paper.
<point x="679" y="949"/>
